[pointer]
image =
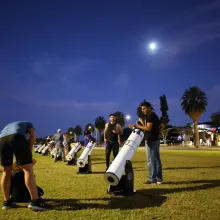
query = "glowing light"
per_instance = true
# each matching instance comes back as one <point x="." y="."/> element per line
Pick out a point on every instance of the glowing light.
<point x="128" y="117"/>
<point x="152" y="46"/>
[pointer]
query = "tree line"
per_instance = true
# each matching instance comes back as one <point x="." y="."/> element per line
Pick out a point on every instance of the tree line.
<point x="193" y="103"/>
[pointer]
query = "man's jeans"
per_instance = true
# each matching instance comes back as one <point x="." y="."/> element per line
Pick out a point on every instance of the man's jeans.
<point x="59" y="151"/>
<point x="153" y="160"/>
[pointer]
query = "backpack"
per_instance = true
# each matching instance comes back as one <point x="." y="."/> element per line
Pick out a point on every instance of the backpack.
<point x="19" y="191"/>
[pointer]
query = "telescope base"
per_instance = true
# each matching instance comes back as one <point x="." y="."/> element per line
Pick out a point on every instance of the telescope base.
<point x="59" y="158"/>
<point x="87" y="168"/>
<point x="73" y="161"/>
<point x="46" y="153"/>
<point x="125" y="186"/>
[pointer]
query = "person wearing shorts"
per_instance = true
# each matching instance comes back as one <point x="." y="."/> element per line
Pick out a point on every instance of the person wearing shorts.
<point x="13" y="142"/>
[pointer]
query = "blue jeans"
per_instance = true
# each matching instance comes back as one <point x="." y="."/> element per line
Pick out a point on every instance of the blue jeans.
<point x="59" y="151"/>
<point x="153" y="160"/>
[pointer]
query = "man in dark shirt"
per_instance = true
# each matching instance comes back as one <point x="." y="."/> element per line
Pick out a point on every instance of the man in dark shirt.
<point x="150" y="124"/>
<point x="111" y="133"/>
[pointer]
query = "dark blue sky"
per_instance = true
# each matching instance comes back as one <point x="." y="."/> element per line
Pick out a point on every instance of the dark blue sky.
<point x="64" y="63"/>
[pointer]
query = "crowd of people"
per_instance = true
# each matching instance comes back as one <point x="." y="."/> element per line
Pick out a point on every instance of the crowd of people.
<point x="13" y="141"/>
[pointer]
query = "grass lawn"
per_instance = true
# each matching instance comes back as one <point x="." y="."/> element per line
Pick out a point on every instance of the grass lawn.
<point x="191" y="189"/>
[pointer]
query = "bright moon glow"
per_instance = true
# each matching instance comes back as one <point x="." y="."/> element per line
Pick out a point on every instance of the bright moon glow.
<point x="152" y="46"/>
<point x="128" y="117"/>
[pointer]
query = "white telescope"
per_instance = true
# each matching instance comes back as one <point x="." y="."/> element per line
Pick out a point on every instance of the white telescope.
<point x="48" y="147"/>
<point x="77" y="146"/>
<point x="44" y="151"/>
<point x="37" y="148"/>
<point x="117" y="168"/>
<point x="41" y="148"/>
<point x="81" y="162"/>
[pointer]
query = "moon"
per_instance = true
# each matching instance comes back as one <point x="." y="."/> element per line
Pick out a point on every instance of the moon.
<point x="152" y="46"/>
<point x="128" y="117"/>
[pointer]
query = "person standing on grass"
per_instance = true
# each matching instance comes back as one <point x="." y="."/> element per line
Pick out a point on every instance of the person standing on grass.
<point x="111" y="133"/>
<point x="150" y="124"/>
<point x="13" y="142"/>
<point x="87" y="137"/>
<point x="66" y="143"/>
<point x="59" y="147"/>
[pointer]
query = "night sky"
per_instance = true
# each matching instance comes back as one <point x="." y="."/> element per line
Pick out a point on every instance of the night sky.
<point x="64" y="63"/>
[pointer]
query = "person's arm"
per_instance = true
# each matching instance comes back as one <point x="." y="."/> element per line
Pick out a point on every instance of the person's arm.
<point x="118" y="129"/>
<point x="53" y="138"/>
<point x="144" y="127"/>
<point x="147" y="127"/>
<point x="61" y="138"/>
<point x="105" y="132"/>
<point x="32" y="139"/>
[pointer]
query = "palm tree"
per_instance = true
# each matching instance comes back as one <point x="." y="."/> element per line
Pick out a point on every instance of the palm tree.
<point x="120" y="118"/>
<point x="100" y="125"/>
<point x="78" y="130"/>
<point x="194" y="103"/>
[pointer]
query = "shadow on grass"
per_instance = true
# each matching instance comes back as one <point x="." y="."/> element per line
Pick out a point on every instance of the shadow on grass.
<point x="95" y="163"/>
<point x="138" y="201"/>
<point x="177" y="168"/>
<point x="140" y="161"/>
<point x="140" y="168"/>
<point x="188" y="168"/>
<point x="98" y="172"/>
<point x="97" y="158"/>
<point x="206" y="184"/>
<point x="151" y="197"/>
<point x="209" y="182"/>
<point x="93" y="172"/>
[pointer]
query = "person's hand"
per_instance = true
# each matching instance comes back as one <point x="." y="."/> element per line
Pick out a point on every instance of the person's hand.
<point x="113" y="131"/>
<point x="118" y="129"/>
<point x="105" y="140"/>
<point x="132" y="126"/>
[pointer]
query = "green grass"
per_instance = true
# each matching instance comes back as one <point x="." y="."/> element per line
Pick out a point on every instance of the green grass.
<point x="191" y="189"/>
